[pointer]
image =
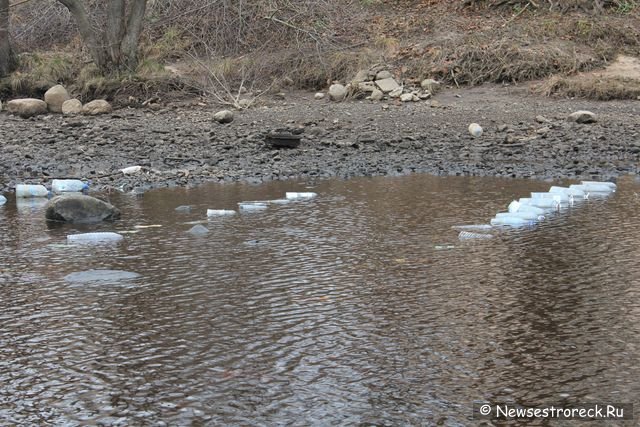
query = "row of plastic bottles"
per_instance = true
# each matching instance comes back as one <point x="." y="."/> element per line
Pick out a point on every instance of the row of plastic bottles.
<point x="528" y="211"/>
<point x="57" y="186"/>
<point x="262" y="205"/>
<point x="109" y="237"/>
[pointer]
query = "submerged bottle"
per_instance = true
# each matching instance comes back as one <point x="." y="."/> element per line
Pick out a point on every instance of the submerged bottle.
<point x="30" y="190"/>
<point x="68" y="185"/>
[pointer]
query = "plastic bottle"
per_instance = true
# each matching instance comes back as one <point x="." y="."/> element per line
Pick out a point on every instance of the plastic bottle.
<point x="220" y="212"/>
<point x="547" y="204"/>
<point x="512" y="221"/>
<point x="531" y="216"/>
<point x="29" y="190"/>
<point x="68" y="186"/>
<point x="131" y="170"/>
<point x="300" y="196"/>
<point x="474" y="227"/>
<point x="598" y="187"/>
<point x="3" y="200"/>
<point x="103" y="237"/>
<point x="475" y="130"/>
<point x="252" y="206"/>
<point x="516" y="206"/>
<point x="560" y="197"/>
<point x="467" y="235"/>
<point x="611" y="185"/>
<point x="576" y="193"/>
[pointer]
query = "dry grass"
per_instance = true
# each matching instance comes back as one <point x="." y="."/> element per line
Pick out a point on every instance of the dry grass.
<point x="591" y="87"/>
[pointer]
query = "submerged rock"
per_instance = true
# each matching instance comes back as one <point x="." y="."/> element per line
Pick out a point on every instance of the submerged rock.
<point x="77" y="208"/>
<point x="198" y="230"/>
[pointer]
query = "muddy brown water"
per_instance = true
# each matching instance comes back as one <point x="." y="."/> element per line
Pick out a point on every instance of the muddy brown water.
<point x="360" y="307"/>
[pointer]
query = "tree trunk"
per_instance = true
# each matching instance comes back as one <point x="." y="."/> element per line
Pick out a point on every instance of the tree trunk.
<point x="119" y="50"/>
<point x="6" y="54"/>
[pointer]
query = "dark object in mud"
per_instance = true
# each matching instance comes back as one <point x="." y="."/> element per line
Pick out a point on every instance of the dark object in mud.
<point x="282" y="140"/>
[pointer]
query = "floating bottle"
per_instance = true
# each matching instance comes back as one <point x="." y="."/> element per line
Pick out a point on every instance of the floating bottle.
<point x="252" y="206"/>
<point x="512" y="221"/>
<point x="102" y="237"/>
<point x="220" y="212"/>
<point x="516" y="206"/>
<point x="30" y="190"/>
<point x="575" y="192"/>
<point x="531" y="216"/>
<point x="68" y="186"/>
<point x="300" y="196"/>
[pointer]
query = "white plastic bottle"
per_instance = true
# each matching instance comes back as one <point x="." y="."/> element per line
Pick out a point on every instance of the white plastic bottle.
<point x="512" y="221"/>
<point x="101" y="237"/>
<point x="68" y="185"/>
<point x="300" y="196"/>
<point x="560" y="197"/>
<point x="29" y="190"/>
<point x="598" y="187"/>
<point x="516" y="206"/>
<point x="531" y="216"/>
<point x="575" y="192"/>
<point x="220" y="212"/>
<point x="252" y="206"/>
<point x="3" y="200"/>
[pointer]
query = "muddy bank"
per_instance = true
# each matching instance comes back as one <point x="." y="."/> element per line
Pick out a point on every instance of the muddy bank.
<point x="183" y="145"/>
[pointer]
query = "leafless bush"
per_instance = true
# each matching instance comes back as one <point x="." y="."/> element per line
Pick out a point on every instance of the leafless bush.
<point x="557" y="5"/>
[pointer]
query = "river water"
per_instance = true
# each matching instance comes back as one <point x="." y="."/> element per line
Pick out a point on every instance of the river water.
<point x="360" y="307"/>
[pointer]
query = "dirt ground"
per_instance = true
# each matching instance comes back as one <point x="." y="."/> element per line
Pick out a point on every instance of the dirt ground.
<point x="525" y="136"/>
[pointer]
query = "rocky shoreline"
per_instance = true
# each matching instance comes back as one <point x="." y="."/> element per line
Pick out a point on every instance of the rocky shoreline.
<point x="182" y="145"/>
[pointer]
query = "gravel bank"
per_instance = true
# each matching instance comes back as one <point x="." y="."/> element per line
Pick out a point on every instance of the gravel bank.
<point x="183" y="145"/>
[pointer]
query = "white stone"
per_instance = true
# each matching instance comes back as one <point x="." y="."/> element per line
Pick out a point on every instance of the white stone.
<point x="71" y="106"/>
<point x="55" y="97"/>
<point x="224" y="116"/>
<point x="337" y="92"/>
<point x="377" y="95"/>
<point x="475" y="130"/>
<point x="384" y="74"/>
<point x="406" y="97"/>
<point x="361" y="76"/>
<point x="387" y="85"/>
<point x="429" y="85"/>
<point x="396" y="92"/>
<point x="27" y="107"/>
<point x="367" y="86"/>
<point x="319" y="95"/>
<point x="98" y="106"/>
<point x="582" y="117"/>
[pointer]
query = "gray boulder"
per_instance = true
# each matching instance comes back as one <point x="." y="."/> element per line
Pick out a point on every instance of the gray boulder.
<point x="361" y="76"/>
<point x="55" y="97"/>
<point x="27" y="107"/>
<point x="77" y="208"/>
<point x="224" y="116"/>
<point x="99" y="106"/>
<point x="582" y="117"/>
